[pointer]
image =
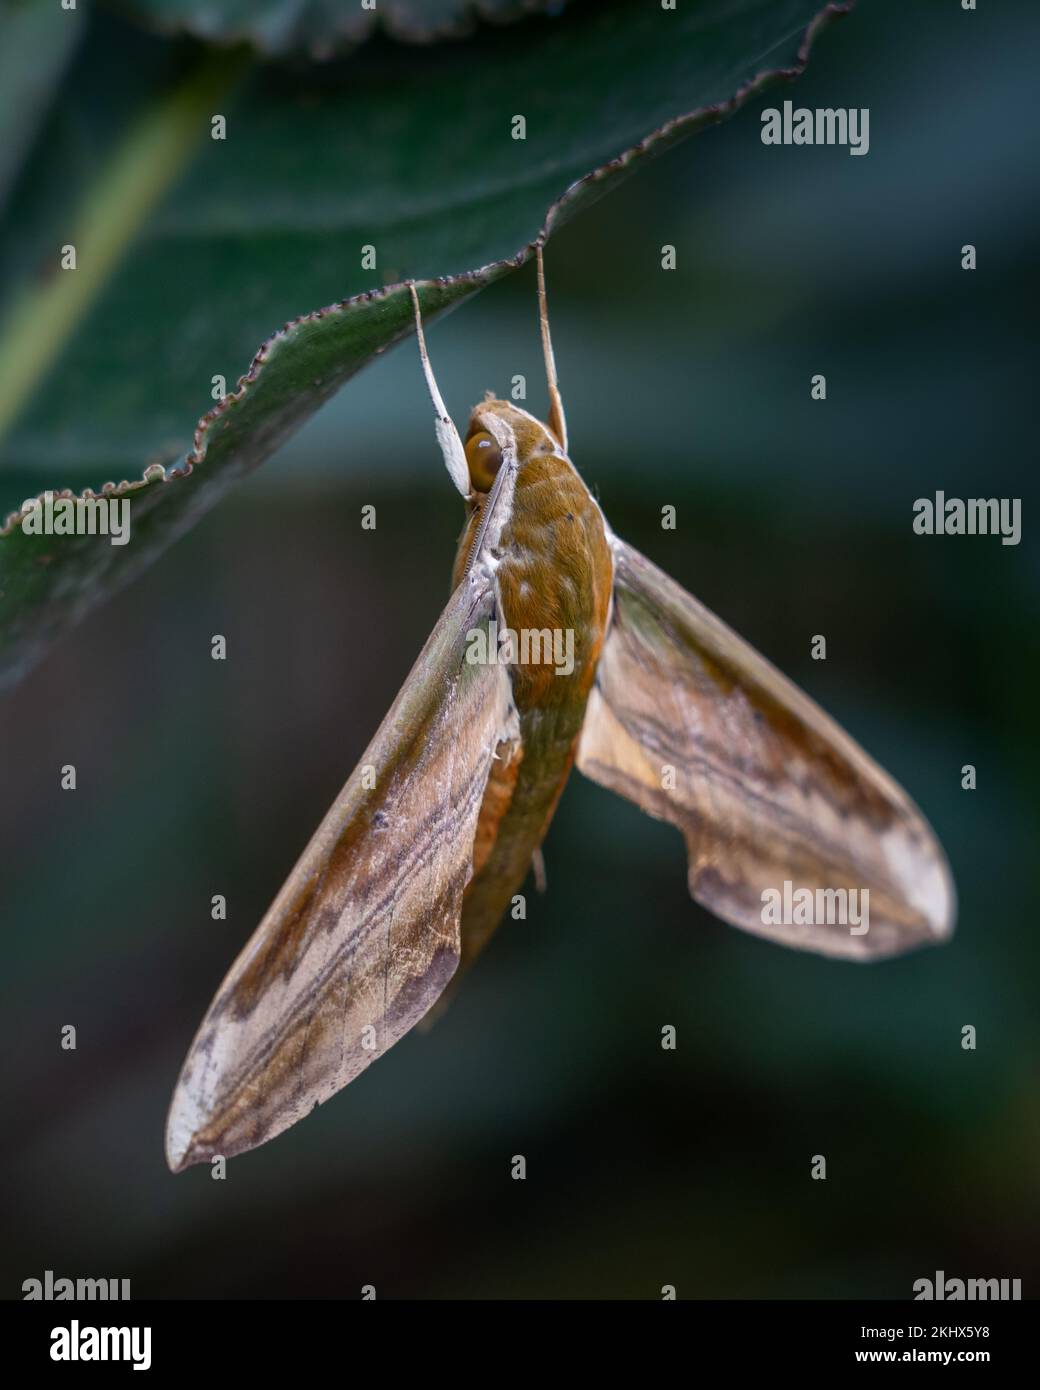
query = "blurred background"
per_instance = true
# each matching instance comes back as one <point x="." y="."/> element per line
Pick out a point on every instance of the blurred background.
<point x="645" y="1167"/>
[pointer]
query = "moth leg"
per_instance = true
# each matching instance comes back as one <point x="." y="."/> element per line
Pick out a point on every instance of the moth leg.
<point x="557" y="419"/>
<point x="538" y="866"/>
<point x="447" y="435"/>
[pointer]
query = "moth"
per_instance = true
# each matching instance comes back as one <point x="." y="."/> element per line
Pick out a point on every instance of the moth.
<point x="437" y="828"/>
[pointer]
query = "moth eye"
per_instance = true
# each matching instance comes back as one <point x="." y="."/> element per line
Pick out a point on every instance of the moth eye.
<point x="484" y="458"/>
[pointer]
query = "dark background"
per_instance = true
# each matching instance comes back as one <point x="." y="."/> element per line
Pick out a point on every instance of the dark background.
<point x="645" y="1167"/>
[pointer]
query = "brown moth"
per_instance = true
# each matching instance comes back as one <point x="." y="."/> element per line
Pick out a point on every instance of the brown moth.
<point x="560" y="643"/>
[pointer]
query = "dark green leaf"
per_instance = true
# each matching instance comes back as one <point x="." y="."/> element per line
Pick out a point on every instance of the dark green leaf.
<point x="387" y="150"/>
<point x="37" y="38"/>
<point x="322" y="28"/>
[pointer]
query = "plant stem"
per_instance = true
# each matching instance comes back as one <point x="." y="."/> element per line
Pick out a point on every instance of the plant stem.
<point x="140" y="170"/>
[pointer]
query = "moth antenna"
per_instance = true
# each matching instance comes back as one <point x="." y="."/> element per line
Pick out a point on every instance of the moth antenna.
<point x="447" y="435"/>
<point x="557" y="419"/>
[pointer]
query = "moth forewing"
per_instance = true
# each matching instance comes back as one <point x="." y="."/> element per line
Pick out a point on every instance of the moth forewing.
<point x="364" y="936"/>
<point x="775" y="801"/>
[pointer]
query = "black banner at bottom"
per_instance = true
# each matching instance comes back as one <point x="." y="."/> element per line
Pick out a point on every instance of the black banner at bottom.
<point x="207" y="1341"/>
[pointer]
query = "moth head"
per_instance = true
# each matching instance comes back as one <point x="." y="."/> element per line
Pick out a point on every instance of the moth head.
<point x="500" y="430"/>
<point x="483" y="458"/>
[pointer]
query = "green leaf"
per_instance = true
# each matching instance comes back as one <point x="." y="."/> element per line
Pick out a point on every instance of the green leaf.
<point x="37" y="38"/>
<point x="387" y="149"/>
<point x="323" y="28"/>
